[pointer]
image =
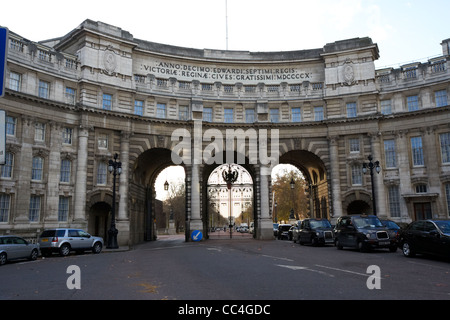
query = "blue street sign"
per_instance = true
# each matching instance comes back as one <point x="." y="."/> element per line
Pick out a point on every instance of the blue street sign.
<point x="196" y="235"/>
<point x="3" y="57"/>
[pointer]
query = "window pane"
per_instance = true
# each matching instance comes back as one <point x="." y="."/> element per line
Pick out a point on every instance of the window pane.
<point x="413" y="103"/>
<point x="7" y="168"/>
<point x="394" y="201"/>
<point x="138" y="107"/>
<point x="318" y="113"/>
<point x="441" y="98"/>
<point x="296" y="115"/>
<point x="107" y="101"/>
<point x="207" y="114"/>
<point x="417" y="151"/>
<point x="249" y="115"/>
<point x="4" y="207"/>
<point x="389" y="150"/>
<point x="351" y="110"/>
<point x="161" y="110"/>
<point x="36" y="171"/>
<point x="63" y="208"/>
<point x="101" y="173"/>
<point x="445" y="147"/>
<point x="228" y="115"/>
<point x="35" y="208"/>
<point x="65" y="170"/>
<point x="274" y="115"/>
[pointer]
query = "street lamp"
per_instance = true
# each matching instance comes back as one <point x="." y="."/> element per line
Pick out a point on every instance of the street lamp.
<point x="230" y="177"/>
<point x="114" y="167"/>
<point x="292" y="214"/>
<point x="372" y="165"/>
<point x="166" y="186"/>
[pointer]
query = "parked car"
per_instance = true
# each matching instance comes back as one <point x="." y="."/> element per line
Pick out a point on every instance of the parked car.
<point x="315" y="232"/>
<point x="393" y="228"/>
<point x="363" y="232"/>
<point x="63" y="241"/>
<point x="14" y="247"/>
<point x="426" y="236"/>
<point x="283" y="231"/>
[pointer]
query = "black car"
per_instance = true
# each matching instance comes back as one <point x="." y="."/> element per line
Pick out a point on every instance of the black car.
<point x="363" y="232"/>
<point x="393" y="228"/>
<point x="283" y="231"/>
<point x="315" y="232"/>
<point x="426" y="236"/>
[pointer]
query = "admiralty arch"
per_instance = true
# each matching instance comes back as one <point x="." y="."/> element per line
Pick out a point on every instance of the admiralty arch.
<point x="74" y="102"/>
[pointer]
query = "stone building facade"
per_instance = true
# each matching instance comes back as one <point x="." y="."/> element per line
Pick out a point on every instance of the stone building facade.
<point x="75" y="101"/>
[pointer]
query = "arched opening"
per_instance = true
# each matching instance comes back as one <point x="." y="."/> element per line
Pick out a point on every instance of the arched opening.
<point x="99" y="219"/>
<point x="358" y="207"/>
<point x="316" y="186"/>
<point x="146" y="207"/>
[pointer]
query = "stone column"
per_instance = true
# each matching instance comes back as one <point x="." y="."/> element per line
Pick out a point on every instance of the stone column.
<point x="335" y="177"/>
<point x="380" y="193"/>
<point x="54" y="171"/>
<point x="265" y="220"/>
<point x="124" y="176"/>
<point x="195" y="219"/>
<point x="80" y="185"/>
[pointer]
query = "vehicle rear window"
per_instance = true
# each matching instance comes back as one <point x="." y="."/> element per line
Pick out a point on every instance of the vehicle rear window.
<point x="52" y="233"/>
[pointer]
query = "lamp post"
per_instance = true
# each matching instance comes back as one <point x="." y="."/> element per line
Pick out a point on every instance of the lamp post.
<point x="114" y="167"/>
<point x="230" y="177"/>
<point x="292" y="215"/>
<point x="372" y="165"/>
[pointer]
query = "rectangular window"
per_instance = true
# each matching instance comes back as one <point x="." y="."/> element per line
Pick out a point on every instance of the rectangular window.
<point x="161" y="110"/>
<point x="4" y="207"/>
<point x="445" y="147"/>
<point x="394" y="201"/>
<point x="67" y="134"/>
<point x="249" y="115"/>
<point x="39" y="132"/>
<point x="441" y="98"/>
<point x="7" y="168"/>
<point x="102" y="171"/>
<point x="37" y="168"/>
<point x="386" y="107"/>
<point x="183" y="113"/>
<point x="63" y="208"/>
<point x="296" y="114"/>
<point x="417" y="151"/>
<point x="15" y="80"/>
<point x="228" y="115"/>
<point x="139" y="107"/>
<point x="107" y="102"/>
<point x="413" y="103"/>
<point x="353" y="145"/>
<point x="35" y="208"/>
<point x="66" y="166"/>
<point x="44" y="88"/>
<point x="70" y="95"/>
<point x="207" y="114"/>
<point x="10" y="126"/>
<point x="351" y="110"/>
<point x="318" y="113"/>
<point x="356" y="175"/>
<point x="389" y="152"/>
<point x="274" y="115"/>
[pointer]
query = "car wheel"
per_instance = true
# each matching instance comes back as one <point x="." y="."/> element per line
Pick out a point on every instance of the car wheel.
<point x="338" y="245"/>
<point x="361" y="246"/>
<point x="2" y="258"/>
<point x="97" y="248"/>
<point x="33" y="255"/>
<point x="407" y="250"/>
<point x="64" y="250"/>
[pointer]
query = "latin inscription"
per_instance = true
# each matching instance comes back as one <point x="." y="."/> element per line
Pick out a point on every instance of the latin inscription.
<point x="213" y="73"/>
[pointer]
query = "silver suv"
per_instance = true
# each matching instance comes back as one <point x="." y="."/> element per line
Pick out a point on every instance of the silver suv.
<point x="65" y="240"/>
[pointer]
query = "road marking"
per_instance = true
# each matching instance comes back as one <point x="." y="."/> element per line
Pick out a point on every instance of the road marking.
<point x="278" y="258"/>
<point x="305" y="268"/>
<point x="343" y="270"/>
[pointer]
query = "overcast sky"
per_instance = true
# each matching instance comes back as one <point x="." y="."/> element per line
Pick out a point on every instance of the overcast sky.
<point x="405" y="30"/>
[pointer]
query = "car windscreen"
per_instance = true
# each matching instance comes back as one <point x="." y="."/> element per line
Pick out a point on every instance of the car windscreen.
<point x="284" y="228"/>
<point x="367" y="222"/>
<point x="444" y="226"/>
<point x="320" y="224"/>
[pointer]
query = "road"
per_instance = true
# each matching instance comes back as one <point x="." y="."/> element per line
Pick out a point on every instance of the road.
<point x="229" y="269"/>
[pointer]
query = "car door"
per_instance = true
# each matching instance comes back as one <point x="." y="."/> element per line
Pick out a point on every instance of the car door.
<point x="74" y="239"/>
<point x="432" y="239"/>
<point x="9" y="248"/>
<point x="85" y="241"/>
<point x="20" y="247"/>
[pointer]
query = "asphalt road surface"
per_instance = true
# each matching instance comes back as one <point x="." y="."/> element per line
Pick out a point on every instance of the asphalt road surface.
<point x="224" y="269"/>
